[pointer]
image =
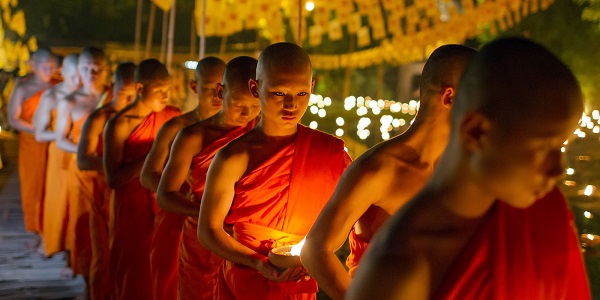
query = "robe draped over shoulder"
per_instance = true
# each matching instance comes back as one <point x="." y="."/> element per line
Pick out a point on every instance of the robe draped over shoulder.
<point x="132" y="217"/>
<point x="275" y="205"/>
<point x="530" y="253"/>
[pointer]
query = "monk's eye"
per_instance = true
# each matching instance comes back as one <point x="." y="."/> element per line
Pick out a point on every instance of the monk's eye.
<point x="302" y="94"/>
<point x="279" y="94"/>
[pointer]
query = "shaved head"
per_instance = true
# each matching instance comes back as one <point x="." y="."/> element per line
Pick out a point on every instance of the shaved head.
<point x="239" y="71"/>
<point x="517" y="80"/>
<point x="207" y="66"/>
<point x="444" y="67"/>
<point x="285" y="56"/>
<point x="124" y="73"/>
<point x="42" y="55"/>
<point x="94" y="54"/>
<point x="70" y="61"/>
<point x="151" y="70"/>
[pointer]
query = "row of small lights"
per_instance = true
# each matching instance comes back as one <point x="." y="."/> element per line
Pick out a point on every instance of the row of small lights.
<point x="362" y="105"/>
<point x="591" y="123"/>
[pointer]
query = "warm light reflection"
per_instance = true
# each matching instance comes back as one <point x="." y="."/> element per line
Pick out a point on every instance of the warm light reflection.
<point x="589" y="190"/>
<point x="570" y="171"/>
<point x="296" y="249"/>
<point x="309" y="5"/>
<point x="587" y="214"/>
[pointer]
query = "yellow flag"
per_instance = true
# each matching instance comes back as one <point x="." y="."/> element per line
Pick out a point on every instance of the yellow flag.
<point x="165" y="5"/>
<point x="17" y="23"/>
<point x="363" y="37"/>
<point x="335" y="31"/>
<point x="32" y="44"/>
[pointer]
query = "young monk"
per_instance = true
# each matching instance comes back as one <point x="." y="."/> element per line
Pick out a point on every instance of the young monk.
<point x="383" y="179"/>
<point x="164" y="251"/>
<point x="128" y="137"/>
<point x="476" y="229"/>
<point x="45" y="119"/>
<point x="22" y="104"/>
<point x="89" y="157"/>
<point x="72" y="113"/>
<point x="192" y="152"/>
<point x="269" y="184"/>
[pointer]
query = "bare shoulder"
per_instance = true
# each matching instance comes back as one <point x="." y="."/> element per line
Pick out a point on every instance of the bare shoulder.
<point x="102" y="114"/>
<point x="192" y="132"/>
<point x="240" y="147"/>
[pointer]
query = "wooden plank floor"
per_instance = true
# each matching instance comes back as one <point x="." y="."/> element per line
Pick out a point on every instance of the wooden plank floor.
<point x="24" y="274"/>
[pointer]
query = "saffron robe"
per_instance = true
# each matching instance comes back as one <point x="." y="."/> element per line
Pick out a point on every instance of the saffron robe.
<point x="164" y="254"/>
<point x="198" y="267"/>
<point x="55" y="198"/>
<point x="275" y="205"/>
<point x="357" y="247"/>
<point x="132" y="217"/>
<point x="80" y="191"/>
<point x="32" y="169"/>
<point x="530" y="253"/>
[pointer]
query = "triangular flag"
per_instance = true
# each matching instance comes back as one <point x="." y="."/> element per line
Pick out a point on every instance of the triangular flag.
<point x="164" y="5"/>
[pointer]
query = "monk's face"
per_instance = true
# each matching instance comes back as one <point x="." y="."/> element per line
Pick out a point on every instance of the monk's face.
<point x="44" y="68"/>
<point x="283" y="94"/>
<point x="206" y="90"/>
<point x="239" y="106"/>
<point x="93" y="71"/>
<point x="124" y="93"/>
<point x="521" y="165"/>
<point x="155" y="94"/>
<point x="70" y="76"/>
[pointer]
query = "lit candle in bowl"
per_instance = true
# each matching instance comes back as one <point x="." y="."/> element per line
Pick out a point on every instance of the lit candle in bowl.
<point x="286" y="256"/>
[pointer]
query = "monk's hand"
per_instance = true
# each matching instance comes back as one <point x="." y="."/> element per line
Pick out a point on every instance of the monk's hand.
<point x="290" y="274"/>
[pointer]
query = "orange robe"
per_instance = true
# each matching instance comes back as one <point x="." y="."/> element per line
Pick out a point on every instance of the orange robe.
<point x="530" y="253"/>
<point x="55" y="205"/>
<point x="80" y="191"/>
<point x="132" y="217"/>
<point x="32" y="169"/>
<point x="357" y="247"/>
<point x="275" y="205"/>
<point x="198" y="267"/>
<point x="164" y="254"/>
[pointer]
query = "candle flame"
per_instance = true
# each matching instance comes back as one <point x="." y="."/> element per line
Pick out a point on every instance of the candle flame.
<point x="296" y="249"/>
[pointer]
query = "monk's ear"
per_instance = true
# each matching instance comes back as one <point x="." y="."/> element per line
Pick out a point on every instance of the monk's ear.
<point x="474" y="131"/>
<point x="193" y="86"/>
<point x="139" y="89"/>
<point x="448" y="96"/>
<point x="220" y="89"/>
<point x="312" y="86"/>
<point x="253" y="85"/>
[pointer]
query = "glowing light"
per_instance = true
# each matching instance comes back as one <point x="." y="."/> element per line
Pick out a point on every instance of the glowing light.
<point x="412" y="104"/>
<point x="381" y="103"/>
<point x="590" y="125"/>
<point x="346" y="149"/>
<point x="373" y="104"/>
<point x="322" y="113"/>
<point x="339" y="132"/>
<point x="363" y="123"/>
<point x="361" y="111"/>
<point x="360" y="101"/>
<point x="396" y="123"/>
<point x="313" y="125"/>
<point x="386" y="120"/>
<point x="395" y="107"/>
<point x="314" y="110"/>
<point x="588" y="190"/>
<point x="191" y="64"/>
<point x="587" y="214"/>
<point x="296" y="249"/>
<point x="313" y="99"/>
<point x="562" y="149"/>
<point x="309" y="6"/>
<point x="590" y="237"/>
<point x="595" y="114"/>
<point x="385" y="136"/>
<point x="376" y="110"/>
<point x="596" y="129"/>
<point x="0" y="129"/>
<point x="363" y="134"/>
<point x="570" y="171"/>
<point x="349" y="102"/>
<point x="569" y="183"/>
<point x="339" y="121"/>
<point x="581" y="134"/>
<point x="327" y="101"/>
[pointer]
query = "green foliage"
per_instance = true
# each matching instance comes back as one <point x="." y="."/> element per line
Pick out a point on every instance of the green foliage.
<point x="563" y="30"/>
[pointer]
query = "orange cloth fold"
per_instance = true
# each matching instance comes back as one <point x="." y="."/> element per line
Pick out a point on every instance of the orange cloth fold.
<point x="133" y="209"/>
<point x="285" y="194"/>
<point x="357" y="250"/>
<point x="164" y="254"/>
<point x="79" y="197"/>
<point x="530" y="253"/>
<point x="32" y="169"/>
<point x="198" y="267"/>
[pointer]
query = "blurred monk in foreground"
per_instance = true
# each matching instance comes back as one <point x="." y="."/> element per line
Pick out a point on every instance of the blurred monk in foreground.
<point x="490" y="223"/>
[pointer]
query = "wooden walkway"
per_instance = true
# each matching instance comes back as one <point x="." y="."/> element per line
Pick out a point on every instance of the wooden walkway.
<point x="24" y="274"/>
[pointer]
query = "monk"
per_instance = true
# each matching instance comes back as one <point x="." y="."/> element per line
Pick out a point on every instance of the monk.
<point x="89" y="157"/>
<point x="164" y="251"/>
<point x="191" y="155"/>
<point x="128" y="137"/>
<point x="269" y="185"/>
<point x="72" y="113"/>
<point x="22" y="104"/>
<point x="476" y="230"/>
<point x="383" y="179"/>
<point x="54" y="205"/>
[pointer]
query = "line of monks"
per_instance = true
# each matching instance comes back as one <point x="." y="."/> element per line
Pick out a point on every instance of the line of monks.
<point x="151" y="203"/>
